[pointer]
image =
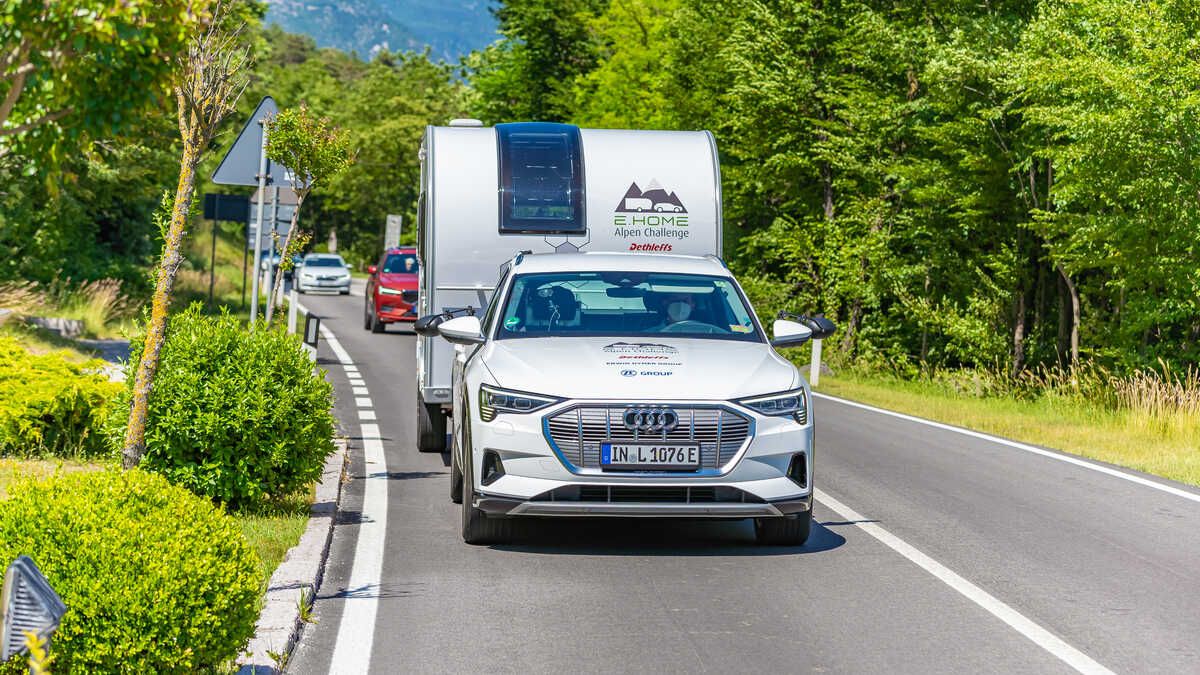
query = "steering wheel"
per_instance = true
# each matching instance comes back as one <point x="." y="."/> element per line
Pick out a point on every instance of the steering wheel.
<point x="690" y="326"/>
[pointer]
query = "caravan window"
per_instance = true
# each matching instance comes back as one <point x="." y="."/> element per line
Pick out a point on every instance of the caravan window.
<point x="541" y="179"/>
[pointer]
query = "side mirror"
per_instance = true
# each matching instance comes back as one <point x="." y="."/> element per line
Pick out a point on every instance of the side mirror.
<point x="427" y="326"/>
<point x="821" y="327"/>
<point x="790" y="333"/>
<point x="464" y="330"/>
<point x="371" y="269"/>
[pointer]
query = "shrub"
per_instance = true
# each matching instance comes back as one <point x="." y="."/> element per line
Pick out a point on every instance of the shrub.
<point x="50" y="405"/>
<point x="235" y="415"/>
<point x="155" y="579"/>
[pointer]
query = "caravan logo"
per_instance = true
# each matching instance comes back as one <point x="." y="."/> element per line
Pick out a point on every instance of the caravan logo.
<point x="653" y="199"/>
<point x="650" y="218"/>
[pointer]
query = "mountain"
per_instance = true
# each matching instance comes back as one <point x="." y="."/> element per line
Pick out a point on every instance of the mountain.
<point x="450" y="28"/>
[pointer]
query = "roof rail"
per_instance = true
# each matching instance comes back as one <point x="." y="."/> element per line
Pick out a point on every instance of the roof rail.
<point x="520" y="256"/>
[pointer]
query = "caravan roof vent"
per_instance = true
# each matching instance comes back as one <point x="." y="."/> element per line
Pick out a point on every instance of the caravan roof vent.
<point x="465" y="122"/>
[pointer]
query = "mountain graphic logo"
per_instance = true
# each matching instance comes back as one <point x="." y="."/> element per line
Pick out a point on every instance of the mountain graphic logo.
<point x="653" y="198"/>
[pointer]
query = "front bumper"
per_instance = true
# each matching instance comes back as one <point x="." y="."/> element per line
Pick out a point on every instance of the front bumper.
<point x="503" y="506"/>
<point x="319" y="285"/>
<point x="538" y="480"/>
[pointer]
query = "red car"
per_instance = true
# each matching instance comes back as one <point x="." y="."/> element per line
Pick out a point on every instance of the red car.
<point x="391" y="289"/>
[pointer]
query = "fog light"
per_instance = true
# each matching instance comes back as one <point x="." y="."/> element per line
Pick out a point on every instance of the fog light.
<point x="798" y="469"/>
<point x="493" y="468"/>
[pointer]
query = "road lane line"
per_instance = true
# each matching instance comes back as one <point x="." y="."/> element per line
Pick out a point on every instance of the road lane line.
<point x="361" y="391"/>
<point x="356" y="632"/>
<point x="363" y="402"/>
<point x="1022" y="624"/>
<point x="1027" y="448"/>
<point x="366" y="414"/>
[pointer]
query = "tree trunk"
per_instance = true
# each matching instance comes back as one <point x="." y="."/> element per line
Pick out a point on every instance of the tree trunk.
<point x="277" y="284"/>
<point x="1073" y="293"/>
<point x="135" y="432"/>
<point x="1018" y="361"/>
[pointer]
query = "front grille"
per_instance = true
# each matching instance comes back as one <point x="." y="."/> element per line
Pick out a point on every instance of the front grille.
<point x="409" y="296"/>
<point x="716" y="494"/>
<point x="579" y="431"/>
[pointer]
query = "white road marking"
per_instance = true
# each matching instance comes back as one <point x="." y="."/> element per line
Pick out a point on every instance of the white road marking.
<point x="360" y="391"/>
<point x="1019" y="622"/>
<point x="1027" y="448"/>
<point x="351" y="369"/>
<point x="356" y="632"/>
<point x="366" y="414"/>
<point x="357" y="382"/>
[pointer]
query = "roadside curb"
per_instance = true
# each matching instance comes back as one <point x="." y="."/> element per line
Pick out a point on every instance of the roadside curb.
<point x="297" y="578"/>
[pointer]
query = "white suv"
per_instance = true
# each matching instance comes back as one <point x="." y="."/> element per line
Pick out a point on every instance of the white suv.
<point x="609" y="384"/>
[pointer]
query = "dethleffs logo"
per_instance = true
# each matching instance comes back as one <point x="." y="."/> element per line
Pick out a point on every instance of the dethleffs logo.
<point x="651" y="215"/>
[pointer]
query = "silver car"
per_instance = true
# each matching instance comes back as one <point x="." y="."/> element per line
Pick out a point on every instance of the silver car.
<point x="323" y="272"/>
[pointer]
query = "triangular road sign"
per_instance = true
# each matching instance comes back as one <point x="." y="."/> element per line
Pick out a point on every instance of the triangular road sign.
<point x="240" y="164"/>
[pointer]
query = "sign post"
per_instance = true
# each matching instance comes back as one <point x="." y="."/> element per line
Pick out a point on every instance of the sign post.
<point x="391" y="237"/>
<point x="238" y="166"/>
<point x="814" y="373"/>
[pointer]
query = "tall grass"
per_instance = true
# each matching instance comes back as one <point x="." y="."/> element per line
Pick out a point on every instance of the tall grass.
<point x="101" y="305"/>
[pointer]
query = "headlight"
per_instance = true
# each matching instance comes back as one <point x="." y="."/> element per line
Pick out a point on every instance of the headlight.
<point x="493" y="401"/>
<point x="390" y="291"/>
<point x="786" y="403"/>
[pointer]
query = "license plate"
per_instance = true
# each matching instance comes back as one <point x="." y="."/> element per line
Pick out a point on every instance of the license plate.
<point x="664" y="456"/>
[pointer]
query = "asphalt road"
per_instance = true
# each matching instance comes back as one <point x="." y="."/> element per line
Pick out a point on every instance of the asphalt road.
<point x="1107" y="569"/>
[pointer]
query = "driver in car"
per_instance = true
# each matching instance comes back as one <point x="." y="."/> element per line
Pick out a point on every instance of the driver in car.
<point x="676" y="308"/>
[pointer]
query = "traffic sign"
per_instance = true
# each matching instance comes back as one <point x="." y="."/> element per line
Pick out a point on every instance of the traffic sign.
<point x="240" y="164"/>
<point x="233" y="208"/>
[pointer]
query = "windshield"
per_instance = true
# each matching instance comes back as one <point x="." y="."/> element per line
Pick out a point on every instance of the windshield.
<point x="400" y="263"/>
<point x="624" y="304"/>
<point x="324" y="262"/>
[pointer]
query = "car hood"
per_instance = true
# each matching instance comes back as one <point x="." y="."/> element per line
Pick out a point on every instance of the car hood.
<point x="401" y="281"/>
<point x="630" y="368"/>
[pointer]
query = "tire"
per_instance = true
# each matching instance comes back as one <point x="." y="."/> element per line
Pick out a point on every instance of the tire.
<point x="456" y="477"/>
<point x="367" y="314"/>
<point x="431" y="427"/>
<point x="478" y="528"/>
<point x="377" y="326"/>
<point x="346" y="292"/>
<point x="783" y="531"/>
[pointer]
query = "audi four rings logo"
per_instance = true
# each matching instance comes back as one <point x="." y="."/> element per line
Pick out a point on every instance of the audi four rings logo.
<point x="651" y="420"/>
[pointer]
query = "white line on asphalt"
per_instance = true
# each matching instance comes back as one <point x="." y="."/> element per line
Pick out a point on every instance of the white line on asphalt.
<point x="363" y="402"/>
<point x="356" y="632"/>
<point x="360" y="391"/>
<point x="366" y="414"/>
<point x="349" y="368"/>
<point x="1027" y="448"/>
<point x="1019" y="622"/>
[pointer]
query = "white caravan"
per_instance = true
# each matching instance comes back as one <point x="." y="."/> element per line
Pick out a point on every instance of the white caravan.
<point x="489" y="193"/>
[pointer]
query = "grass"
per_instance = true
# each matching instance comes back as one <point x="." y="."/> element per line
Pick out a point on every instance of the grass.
<point x="1163" y="445"/>
<point x="103" y="308"/>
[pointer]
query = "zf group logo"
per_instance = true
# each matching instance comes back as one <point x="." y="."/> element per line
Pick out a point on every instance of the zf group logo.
<point x="653" y="214"/>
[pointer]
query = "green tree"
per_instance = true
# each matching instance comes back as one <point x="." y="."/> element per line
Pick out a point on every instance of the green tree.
<point x="78" y="67"/>
<point x="530" y="72"/>
<point x="314" y="151"/>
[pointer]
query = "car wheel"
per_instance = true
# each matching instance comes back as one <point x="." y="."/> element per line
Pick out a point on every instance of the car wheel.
<point x="477" y="527"/>
<point x="431" y="427"/>
<point x="456" y="476"/>
<point x="377" y="326"/>
<point x="783" y="531"/>
<point x="367" y="314"/>
<point x="345" y="292"/>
